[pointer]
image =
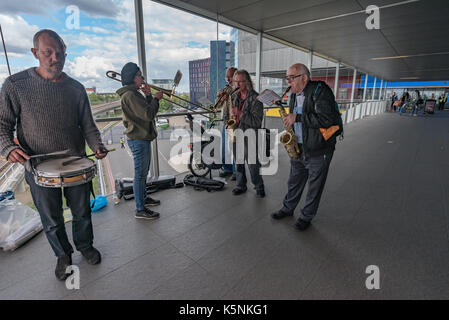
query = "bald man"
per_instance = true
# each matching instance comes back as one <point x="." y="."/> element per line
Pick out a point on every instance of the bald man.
<point x="50" y="112"/>
<point x="312" y="106"/>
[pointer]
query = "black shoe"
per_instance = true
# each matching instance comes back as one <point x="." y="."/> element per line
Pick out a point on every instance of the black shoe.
<point x="223" y="174"/>
<point x="61" y="267"/>
<point x="92" y="255"/>
<point x="260" y="193"/>
<point x="146" y="214"/>
<point x="302" y="224"/>
<point x="233" y="177"/>
<point x="237" y="191"/>
<point x="281" y="214"/>
<point x="152" y="202"/>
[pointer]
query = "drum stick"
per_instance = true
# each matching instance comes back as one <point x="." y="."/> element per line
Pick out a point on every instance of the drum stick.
<point x="50" y="154"/>
<point x="89" y="155"/>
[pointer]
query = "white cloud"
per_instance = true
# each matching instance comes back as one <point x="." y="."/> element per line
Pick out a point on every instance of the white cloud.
<point x="106" y="8"/>
<point x="3" y="73"/>
<point x="172" y="38"/>
<point x="96" y="30"/>
<point x="18" y="34"/>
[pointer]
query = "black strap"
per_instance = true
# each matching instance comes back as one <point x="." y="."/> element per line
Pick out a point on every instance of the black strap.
<point x="93" y="193"/>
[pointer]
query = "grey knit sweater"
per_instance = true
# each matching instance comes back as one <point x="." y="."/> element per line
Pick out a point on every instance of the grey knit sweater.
<point x="48" y="116"/>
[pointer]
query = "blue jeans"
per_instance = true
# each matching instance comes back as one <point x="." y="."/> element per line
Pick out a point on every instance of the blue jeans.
<point x="48" y="202"/>
<point x="141" y="150"/>
<point x="227" y="167"/>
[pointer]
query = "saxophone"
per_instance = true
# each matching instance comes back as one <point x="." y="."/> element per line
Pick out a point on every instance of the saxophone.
<point x="288" y="138"/>
<point x="231" y="124"/>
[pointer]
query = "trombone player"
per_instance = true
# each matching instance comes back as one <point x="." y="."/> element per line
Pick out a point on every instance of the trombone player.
<point x="139" y="115"/>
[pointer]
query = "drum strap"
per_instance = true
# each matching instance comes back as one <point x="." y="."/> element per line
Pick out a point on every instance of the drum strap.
<point x="93" y="193"/>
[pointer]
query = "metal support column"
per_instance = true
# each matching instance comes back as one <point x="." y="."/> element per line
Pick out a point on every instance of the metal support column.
<point x="154" y="170"/>
<point x="366" y="84"/>
<point x="310" y="61"/>
<point x="337" y="75"/>
<point x="353" y="85"/>
<point x="258" y="60"/>
<point x="380" y="89"/>
<point x="374" y="89"/>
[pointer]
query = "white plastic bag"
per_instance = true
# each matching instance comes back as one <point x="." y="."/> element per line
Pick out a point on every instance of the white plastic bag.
<point x="18" y="223"/>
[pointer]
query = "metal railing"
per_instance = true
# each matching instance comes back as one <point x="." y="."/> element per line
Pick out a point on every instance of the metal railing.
<point x="359" y="110"/>
<point x="12" y="177"/>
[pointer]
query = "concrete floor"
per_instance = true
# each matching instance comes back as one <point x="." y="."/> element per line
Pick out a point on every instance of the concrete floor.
<point x="386" y="203"/>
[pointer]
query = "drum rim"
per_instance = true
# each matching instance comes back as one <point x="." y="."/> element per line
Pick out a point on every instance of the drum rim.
<point x="74" y="173"/>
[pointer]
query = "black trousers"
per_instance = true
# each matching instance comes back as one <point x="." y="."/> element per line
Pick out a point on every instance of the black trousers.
<point x="254" y="168"/>
<point x="48" y="202"/>
<point x="311" y="169"/>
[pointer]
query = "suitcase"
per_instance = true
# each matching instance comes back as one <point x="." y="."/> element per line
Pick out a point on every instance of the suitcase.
<point x="124" y="186"/>
<point x="430" y="106"/>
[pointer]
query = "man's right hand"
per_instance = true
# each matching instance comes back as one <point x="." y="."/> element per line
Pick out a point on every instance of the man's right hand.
<point x="158" y="95"/>
<point x="18" y="155"/>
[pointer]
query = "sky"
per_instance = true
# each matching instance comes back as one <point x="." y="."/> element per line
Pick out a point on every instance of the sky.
<point x="106" y="38"/>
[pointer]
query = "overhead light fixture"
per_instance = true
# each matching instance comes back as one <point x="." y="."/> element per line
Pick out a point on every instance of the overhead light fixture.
<point x="389" y="58"/>
<point x="411" y="56"/>
<point x="409" y="78"/>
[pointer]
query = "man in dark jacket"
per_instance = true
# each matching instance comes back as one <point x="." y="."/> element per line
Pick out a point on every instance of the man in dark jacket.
<point x="312" y="106"/>
<point x="139" y="113"/>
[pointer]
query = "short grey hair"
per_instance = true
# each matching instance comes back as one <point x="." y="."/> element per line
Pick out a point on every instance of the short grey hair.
<point x="302" y="68"/>
<point x="249" y="82"/>
<point x="51" y="34"/>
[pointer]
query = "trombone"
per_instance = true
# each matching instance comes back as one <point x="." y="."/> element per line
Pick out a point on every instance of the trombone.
<point x="116" y="76"/>
<point x="225" y="94"/>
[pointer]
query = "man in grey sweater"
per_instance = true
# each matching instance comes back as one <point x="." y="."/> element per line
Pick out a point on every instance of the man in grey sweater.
<point x="50" y="112"/>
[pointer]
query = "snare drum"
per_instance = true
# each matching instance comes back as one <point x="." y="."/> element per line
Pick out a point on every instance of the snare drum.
<point x="51" y="173"/>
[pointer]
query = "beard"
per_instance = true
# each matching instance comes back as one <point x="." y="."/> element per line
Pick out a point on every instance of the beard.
<point x="55" y="69"/>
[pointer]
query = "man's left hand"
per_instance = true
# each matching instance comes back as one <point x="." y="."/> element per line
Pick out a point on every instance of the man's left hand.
<point x="289" y="120"/>
<point x="101" y="153"/>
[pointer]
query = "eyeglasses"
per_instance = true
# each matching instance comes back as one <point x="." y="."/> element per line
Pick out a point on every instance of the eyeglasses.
<point x="290" y="78"/>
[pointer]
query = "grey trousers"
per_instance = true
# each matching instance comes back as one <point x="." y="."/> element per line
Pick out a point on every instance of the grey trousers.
<point x="314" y="170"/>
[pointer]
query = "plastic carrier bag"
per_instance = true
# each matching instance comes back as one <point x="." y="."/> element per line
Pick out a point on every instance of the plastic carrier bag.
<point x="98" y="203"/>
<point x="18" y="223"/>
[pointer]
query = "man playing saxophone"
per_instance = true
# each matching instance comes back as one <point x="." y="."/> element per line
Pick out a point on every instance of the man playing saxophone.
<point x="312" y="106"/>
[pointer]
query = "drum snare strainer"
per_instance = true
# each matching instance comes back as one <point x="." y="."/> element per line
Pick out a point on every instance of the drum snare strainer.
<point x="51" y="173"/>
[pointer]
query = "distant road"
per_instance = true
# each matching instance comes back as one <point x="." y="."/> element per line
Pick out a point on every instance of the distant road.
<point x="100" y="108"/>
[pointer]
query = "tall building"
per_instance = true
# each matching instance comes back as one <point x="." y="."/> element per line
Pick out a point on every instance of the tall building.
<point x="163" y="83"/>
<point x="199" y="79"/>
<point x="222" y="56"/>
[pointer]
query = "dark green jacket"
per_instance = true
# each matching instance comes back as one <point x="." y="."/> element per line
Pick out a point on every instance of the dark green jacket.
<point x="138" y="113"/>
